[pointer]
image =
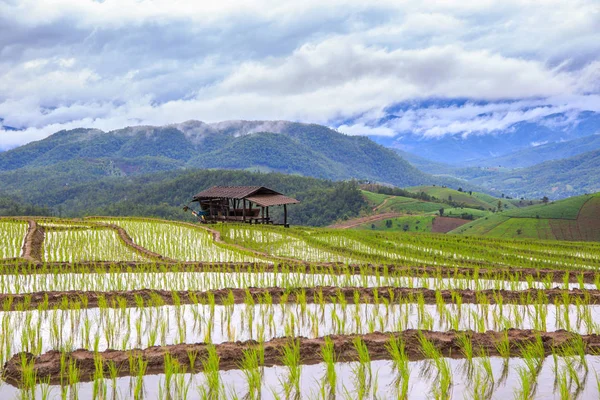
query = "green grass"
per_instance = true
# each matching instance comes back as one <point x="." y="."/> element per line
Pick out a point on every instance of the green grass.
<point x="481" y="226"/>
<point x="562" y="209"/>
<point x="417" y="223"/>
<point x="399" y="203"/>
<point x="408" y="205"/>
<point x="455" y="212"/>
<point x="559" y="220"/>
<point x="530" y="228"/>
<point x="374" y="199"/>
<point x="475" y="200"/>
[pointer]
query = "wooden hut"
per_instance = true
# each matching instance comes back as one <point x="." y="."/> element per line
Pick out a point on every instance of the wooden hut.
<point x="248" y="204"/>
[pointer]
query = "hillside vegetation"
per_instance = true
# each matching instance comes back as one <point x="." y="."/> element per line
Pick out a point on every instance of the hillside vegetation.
<point x="82" y="155"/>
<point x="576" y="218"/>
<point x="464" y="198"/>
<point x="555" y="179"/>
<point x="163" y="195"/>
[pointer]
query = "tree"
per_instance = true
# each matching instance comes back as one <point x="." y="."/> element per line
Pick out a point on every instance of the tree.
<point x="441" y="212"/>
<point x="499" y="205"/>
<point x="460" y="189"/>
<point x="545" y="199"/>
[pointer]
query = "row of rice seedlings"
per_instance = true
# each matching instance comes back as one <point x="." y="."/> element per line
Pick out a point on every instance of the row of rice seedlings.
<point x="118" y="326"/>
<point x="421" y="249"/>
<point x="282" y="277"/>
<point x="180" y="242"/>
<point x="476" y="376"/>
<point x="282" y="245"/>
<point x="12" y="237"/>
<point x="450" y="252"/>
<point x="348" y="246"/>
<point x="86" y="245"/>
<point x="557" y="252"/>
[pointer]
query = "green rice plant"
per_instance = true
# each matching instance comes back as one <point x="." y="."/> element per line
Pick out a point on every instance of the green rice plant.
<point x="330" y="378"/>
<point x="250" y="367"/>
<point x="290" y="358"/>
<point x="396" y="348"/>
<point x="362" y="371"/>
<point x="214" y="388"/>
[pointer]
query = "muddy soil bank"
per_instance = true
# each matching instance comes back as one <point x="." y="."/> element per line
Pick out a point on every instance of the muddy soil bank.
<point x="76" y="299"/>
<point x="32" y="245"/>
<point x="48" y="365"/>
<point x="519" y="274"/>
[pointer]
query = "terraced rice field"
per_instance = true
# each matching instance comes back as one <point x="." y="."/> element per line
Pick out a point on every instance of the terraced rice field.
<point x="129" y="308"/>
<point x="12" y="237"/>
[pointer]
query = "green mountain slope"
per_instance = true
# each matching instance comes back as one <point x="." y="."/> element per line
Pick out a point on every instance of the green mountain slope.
<point x="79" y="155"/>
<point x="545" y="152"/>
<point x="576" y="218"/>
<point x="463" y="198"/>
<point x="555" y="179"/>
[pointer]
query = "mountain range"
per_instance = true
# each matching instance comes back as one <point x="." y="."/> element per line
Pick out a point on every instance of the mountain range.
<point x="71" y="157"/>
<point x="80" y="155"/>
<point x="545" y="136"/>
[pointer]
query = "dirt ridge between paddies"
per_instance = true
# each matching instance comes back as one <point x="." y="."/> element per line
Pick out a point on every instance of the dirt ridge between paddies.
<point x="34" y="239"/>
<point x="47" y="367"/>
<point x="76" y="299"/>
<point x="215" y="234"/>
<point x="15" y="267"/>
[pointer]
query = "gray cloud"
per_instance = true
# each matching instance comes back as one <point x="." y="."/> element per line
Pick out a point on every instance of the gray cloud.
<point x="110" y="64"/>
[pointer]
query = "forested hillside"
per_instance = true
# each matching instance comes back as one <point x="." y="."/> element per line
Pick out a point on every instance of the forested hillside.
<point x="81" y="155"/>
<point x="164" y="194"/>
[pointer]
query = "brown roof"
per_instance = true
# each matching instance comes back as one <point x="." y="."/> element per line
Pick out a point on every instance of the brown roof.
<point x="266" y="200"/>
<point x="233" y="192"/>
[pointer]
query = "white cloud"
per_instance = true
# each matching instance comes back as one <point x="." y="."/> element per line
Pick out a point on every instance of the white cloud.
<point x="70" y="63"/>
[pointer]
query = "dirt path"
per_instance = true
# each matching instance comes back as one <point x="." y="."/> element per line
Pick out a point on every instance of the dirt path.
<point x="48" y="365"/>
<point x="124" y="236"/>
<point x="351" y="223"/>
<point x="383" y="203"/>
<point x="151" y="298"/>
<point x="34" y="239"/>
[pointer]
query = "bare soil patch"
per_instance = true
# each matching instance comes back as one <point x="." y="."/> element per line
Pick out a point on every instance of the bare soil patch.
<point x="11" y="267"/>
<point x="48" y="365"/>
<point x="588" y="220"/>
<point x="446" y="224"/>
<point x="76" y="299"/>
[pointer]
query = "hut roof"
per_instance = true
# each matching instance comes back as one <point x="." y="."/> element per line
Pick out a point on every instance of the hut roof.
<point x="260" y="195"/>
<point x="267" y="200"/>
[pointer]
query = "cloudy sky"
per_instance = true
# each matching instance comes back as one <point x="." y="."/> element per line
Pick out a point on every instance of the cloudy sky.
<point x="113" y="63"/>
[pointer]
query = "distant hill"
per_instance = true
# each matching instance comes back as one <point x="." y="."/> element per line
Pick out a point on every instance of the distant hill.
<point x="544" y="152"/>
<point x="465" y="198"/>
<point x="575" y="218"/>
<point x="471" y="148"/>
<point x="555" y="179"/>
<point x="80" y="155"/>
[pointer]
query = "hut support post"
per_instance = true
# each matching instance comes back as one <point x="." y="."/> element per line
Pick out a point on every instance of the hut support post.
<point x="267" y="214"/>
<point x="244" y="211"/>
<point x="285" y="216"/>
